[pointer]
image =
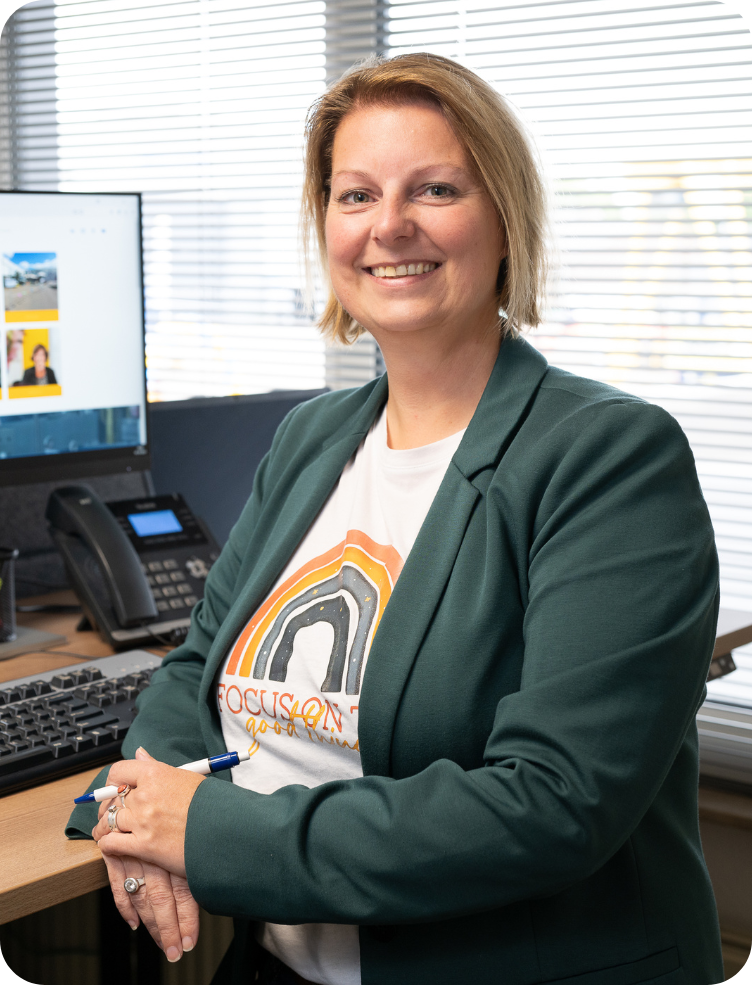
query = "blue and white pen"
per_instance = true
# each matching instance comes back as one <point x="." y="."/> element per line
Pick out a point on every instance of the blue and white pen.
<point x="213" y="764"/>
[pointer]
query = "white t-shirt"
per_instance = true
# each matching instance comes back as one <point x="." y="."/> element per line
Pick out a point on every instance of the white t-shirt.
<point x="289" y="688"/>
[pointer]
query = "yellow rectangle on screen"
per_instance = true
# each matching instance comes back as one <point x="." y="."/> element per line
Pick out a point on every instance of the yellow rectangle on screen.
<point x="47" y="314"/>
<point x="51" y="390"/>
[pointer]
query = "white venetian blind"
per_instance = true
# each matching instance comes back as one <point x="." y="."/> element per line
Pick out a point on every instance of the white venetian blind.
<point x="199" y="104"/>
<point x="643" y="113"/>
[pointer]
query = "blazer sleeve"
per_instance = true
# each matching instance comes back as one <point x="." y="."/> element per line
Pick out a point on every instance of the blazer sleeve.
<point x="167" y="724"/>
<point x="621" y="605"/>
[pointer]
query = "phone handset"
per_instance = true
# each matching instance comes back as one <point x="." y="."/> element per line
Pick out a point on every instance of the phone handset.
<point x="77" y="510"/>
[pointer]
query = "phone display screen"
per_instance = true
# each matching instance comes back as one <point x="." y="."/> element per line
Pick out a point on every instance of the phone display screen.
<point x="155" y="523"/>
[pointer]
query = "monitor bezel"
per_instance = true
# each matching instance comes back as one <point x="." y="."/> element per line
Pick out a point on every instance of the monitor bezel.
<point x="79" y="465"/>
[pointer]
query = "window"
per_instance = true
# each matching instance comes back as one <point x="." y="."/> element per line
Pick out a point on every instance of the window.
<point x="641" y="110"/>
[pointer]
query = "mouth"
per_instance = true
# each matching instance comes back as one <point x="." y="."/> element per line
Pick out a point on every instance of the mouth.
<point x="404" y="269"/>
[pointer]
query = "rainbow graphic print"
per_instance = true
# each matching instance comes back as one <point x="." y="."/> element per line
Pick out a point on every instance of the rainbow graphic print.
<point x="356" y="576"/>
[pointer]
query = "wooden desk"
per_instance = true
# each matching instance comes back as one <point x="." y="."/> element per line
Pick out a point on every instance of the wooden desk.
<point x="38" y="865"/>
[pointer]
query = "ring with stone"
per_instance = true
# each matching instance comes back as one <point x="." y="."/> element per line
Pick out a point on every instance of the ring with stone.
<point x="123" y="791"/>
<point x="132" y="885"/>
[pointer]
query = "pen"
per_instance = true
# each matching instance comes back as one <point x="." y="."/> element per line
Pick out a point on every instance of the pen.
<point x="213" y="764"/>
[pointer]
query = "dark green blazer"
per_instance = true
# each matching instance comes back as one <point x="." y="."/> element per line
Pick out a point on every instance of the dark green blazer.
<point x="528" y="811"/>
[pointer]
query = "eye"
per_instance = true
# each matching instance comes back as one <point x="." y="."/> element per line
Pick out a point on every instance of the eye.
<point x="356" y="197"/>
<point x="439" y="191"/>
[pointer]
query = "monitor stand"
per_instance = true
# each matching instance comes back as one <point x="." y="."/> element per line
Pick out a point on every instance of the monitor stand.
<point x="29" y="640"/>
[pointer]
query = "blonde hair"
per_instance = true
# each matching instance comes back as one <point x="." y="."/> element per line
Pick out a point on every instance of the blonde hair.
<point x="496" y="144"/>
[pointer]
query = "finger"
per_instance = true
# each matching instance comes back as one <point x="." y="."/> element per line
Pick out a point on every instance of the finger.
<point x="116" y="872"/>
<point x="104" y="807"/>
<point x="141" y="753"/>
<point x="123" y="820"/>
<point x="162" y="901"/>
<point x="188" y="913"/>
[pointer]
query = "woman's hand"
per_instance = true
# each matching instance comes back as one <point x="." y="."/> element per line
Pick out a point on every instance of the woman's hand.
<point x="164" y="903"/>
<point x="151" y="825"/>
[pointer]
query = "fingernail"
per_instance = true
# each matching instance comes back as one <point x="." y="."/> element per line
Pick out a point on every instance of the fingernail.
<point x="187" y="944"/>
<point x="133" y="926"/>
<point x="172" y="954"/>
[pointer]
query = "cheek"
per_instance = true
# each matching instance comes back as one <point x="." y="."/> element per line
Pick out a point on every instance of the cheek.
<point x="339" y="248"/>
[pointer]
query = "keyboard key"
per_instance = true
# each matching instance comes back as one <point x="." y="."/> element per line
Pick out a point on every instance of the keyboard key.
<point x="151" y="580"/>
<point x="177" y="576"/>
<point x="170" y="565"/>
<point x="190" y="600"/>
<point x="185" y="589"/>
<point x="61" y="749"/>
<point x="102" y="700"/>
<point x="101" y="736"/>
<point x="169" y="591"/>
<point x="11" y="694"/>
<point x="94" y="674"/>
<point x="177" y="604"/>
<point x="42" y="687"/>
<point x="162" y="605"/>
<point x="156" y="593"/>
<point x="163" y="579"/>
<point x="155" y="566"/>
<point x="63" y="680"/>
<point x="83" y="742"/>
<point x="118" y="730"/>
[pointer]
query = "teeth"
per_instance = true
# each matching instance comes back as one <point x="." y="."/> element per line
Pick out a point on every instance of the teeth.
<point x="403" y="270"/>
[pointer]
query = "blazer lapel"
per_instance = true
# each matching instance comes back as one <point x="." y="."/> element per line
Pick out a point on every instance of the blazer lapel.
<point x="511" y="387"/>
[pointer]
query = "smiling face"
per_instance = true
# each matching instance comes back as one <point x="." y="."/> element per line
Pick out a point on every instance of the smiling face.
<point x="39" y="358"/>
<point x="413" y="241"/>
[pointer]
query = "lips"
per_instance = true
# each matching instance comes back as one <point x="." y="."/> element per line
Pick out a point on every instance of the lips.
<point x="403" y="269"/>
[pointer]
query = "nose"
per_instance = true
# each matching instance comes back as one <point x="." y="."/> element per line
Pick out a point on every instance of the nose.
<point x="393" y="220"/>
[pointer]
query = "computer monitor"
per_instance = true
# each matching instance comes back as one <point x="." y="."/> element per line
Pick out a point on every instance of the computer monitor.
<point x="72" y="376"/>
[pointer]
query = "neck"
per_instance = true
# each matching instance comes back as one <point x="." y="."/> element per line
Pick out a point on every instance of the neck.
<point x="434" y="385"/>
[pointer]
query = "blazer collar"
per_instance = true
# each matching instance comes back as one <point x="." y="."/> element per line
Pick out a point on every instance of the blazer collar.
<point x="514" y="380"/>
<point x="513" y="383"/>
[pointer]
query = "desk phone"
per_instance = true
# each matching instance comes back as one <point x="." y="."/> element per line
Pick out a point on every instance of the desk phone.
<point x="138" y="566"/>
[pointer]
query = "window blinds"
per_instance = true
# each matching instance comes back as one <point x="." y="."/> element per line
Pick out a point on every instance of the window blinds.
<point x="642" y="112"/>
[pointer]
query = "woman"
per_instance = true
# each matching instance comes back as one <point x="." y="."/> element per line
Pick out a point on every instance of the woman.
<point x="40" y="373"/>
<point x="513" y="795"/>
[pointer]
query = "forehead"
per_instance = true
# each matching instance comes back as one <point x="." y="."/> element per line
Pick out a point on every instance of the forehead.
<point x="388" y="137"/>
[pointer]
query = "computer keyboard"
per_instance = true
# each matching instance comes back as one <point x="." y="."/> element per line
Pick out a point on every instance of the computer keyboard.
<point x="70" y="719"/>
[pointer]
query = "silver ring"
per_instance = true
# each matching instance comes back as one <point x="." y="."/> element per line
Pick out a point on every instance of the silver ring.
<point x="132" y="885"/>
<point x="112" y="817"/>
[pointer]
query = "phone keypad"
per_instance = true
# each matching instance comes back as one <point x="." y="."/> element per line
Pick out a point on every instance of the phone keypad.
<point x="171" y="582"/>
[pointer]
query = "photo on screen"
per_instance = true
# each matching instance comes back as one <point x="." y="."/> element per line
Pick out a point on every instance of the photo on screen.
<point x="31" y="354"/>
<point x="30" y="287"/>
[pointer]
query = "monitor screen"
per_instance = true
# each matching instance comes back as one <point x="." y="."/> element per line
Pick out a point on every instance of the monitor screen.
<point x="72" y="382"/>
